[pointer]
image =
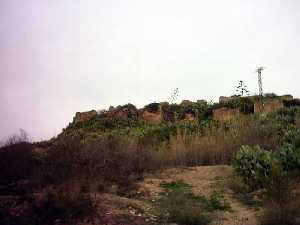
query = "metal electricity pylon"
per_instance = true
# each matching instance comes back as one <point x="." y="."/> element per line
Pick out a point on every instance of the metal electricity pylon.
<point x="174" y="96"/>
<point x="258" y="71"/>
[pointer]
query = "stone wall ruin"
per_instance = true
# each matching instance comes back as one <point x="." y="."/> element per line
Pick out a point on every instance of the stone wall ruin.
<point x="225" y="114"/>
<point x="156" y="113"/>
<point x="84" y="116"/>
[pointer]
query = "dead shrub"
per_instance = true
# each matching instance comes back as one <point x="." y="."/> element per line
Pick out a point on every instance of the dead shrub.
<point x="17" y="138"/>
<point x="68" y="203"/>
<point x="16" y="162"/>
<point x="103" y="161"/>
<point x="63" y="204"/>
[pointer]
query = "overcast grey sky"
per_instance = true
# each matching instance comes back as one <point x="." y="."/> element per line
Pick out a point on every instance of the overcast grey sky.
<point x="62" y="56"/>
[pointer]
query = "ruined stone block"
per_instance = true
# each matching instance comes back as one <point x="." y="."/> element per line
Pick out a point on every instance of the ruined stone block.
<point x="268" y="105"/>
<point x="151" y="117"/>
<point x="125" y="112"/>
<point x="224" y="99"/>
<point x="225" y="114"/>
<point x="84" y="116"/>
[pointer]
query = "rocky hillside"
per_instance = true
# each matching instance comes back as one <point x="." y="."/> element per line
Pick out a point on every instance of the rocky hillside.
<point x="193" y="163"/>
<point x="164" y="118"/>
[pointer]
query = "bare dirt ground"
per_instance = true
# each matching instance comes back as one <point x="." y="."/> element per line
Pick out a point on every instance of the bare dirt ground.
<point x="204" y="180"/>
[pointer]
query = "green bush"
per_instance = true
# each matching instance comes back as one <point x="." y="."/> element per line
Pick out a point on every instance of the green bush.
<point x="180" y="205"/>
<point x="285" y="117"/>
<point x="243" y="192"/>
<point x="244" y="104"/>
<point x="217" y="201"/>
<point x="289" y="157"/>
<point x="276" y="172"/>
<point x="253" y="165"/>
<point x="185" y="208"/>
<point x="175" y="112"/>
<point x="282" y="202"/>
<point x="291" y="135"/>
<point x="155" y="133"/>
<point x="175" y="185"/>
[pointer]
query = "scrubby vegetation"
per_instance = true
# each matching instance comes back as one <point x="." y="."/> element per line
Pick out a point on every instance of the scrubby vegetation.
<point x="179" y="204"/>
<point x="275" y="171"/>
<point x="110" y="154"/>
<point x="277" y="177"/>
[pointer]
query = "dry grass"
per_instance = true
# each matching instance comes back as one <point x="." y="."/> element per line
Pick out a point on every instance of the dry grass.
<point x="216" y="145"/>
<point x="282" y="200"/>
<point x="122" y="160"/>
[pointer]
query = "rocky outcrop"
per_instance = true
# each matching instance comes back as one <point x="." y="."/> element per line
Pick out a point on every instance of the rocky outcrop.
<point x="286" y="97"/>
<point x="225" y="114"/>
<point x="271" y="104"/>
<point x="84" y="116"/>
<point x="228" y="109"/>
<point x="128" y="111"/>
<point x="151" y="114"/>
<point x="268" y="105"/>
<point x="151" y="117"/>
<point x="224" y="99"/>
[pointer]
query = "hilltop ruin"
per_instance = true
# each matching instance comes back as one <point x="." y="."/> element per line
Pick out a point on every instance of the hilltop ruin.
<point x="228" y="108"/>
